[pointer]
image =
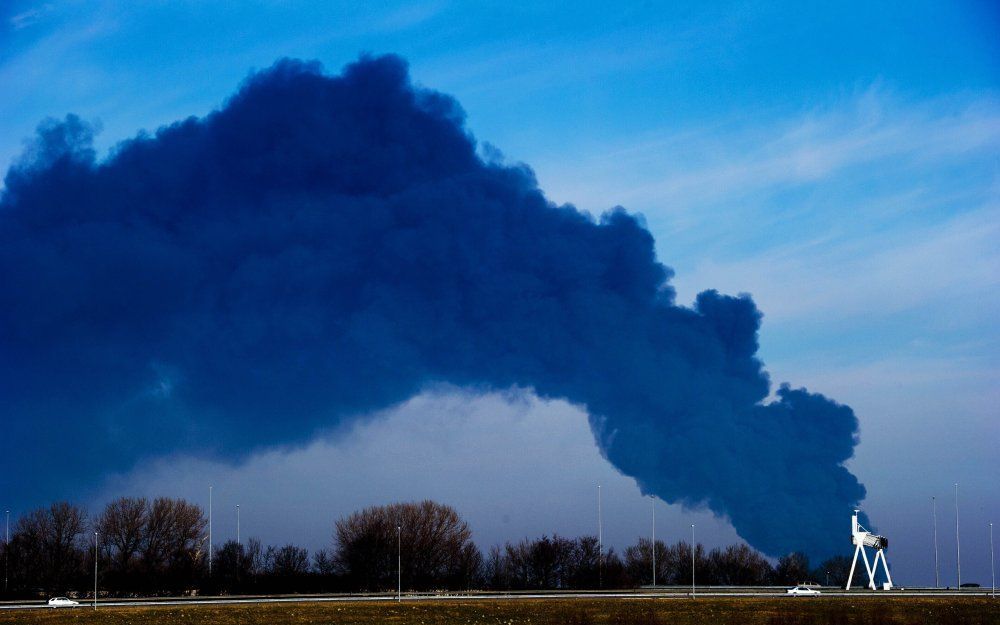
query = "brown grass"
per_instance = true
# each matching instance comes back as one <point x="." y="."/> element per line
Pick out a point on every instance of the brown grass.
<point x="735" y="611"/>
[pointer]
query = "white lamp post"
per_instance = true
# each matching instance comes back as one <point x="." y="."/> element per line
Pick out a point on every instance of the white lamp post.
<point x="210" y="531"/>
<point x="95" y="570"/>
<point x="937" y="578"/>
<point x="399" y="563"/>
<point x="692" y="560"/>
<point x="993" y="573"/>
<point x="6" y="550"/>
<point x="652" y="501"/>
<point x="958" y="544"/>
<point x="600" y="541"/>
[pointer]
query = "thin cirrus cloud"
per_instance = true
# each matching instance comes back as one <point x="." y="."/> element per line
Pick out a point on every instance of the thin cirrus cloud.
<point x="732" y="158"/>
<point x="893" y="271"/>
<point x="847" y="205"/>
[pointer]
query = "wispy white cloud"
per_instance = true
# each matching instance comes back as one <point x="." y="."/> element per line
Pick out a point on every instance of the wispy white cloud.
<point x="45" y="78"/>
<point x="732" y="158"/>
<point x="29" y="17"/>
<point x="965" y="385"/>
<point x="869" y="210"/>
<point x="944" y="264"/>
<point x="409" y="16"/>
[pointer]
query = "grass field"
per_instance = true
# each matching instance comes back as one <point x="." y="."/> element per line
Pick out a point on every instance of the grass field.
<point x="748" y="611"/>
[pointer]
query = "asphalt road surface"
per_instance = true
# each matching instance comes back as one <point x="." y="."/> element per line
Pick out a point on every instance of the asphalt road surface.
<point x="672" y="593"/>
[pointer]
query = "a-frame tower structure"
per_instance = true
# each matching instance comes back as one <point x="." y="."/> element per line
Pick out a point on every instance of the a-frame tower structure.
<point x="862" y="539"/>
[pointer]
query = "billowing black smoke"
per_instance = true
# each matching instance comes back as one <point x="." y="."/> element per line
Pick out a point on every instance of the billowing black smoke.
<point x="323" y="246"/>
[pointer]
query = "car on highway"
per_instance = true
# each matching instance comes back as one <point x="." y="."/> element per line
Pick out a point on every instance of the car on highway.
<point x="62" y="602"/>
<point x="802" y="591"/>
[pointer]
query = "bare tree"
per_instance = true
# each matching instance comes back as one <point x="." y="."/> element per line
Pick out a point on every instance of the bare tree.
<point x="587" y="563"/>
<point x="287" y="561"/>
<point x="323" y="563"/>
<point x="738" y="565"/>
<point x="47" y="548"/>
<point x="436" y="546"/>
<point x="255" y="558"/>
<point x="67" y="524"/>
<point x="676" y="567"/>
<point x="541" y="563"/>
<point x="229" y="562"/>
<point x="471" y="567"/>
<point x="639" y="562"/>
<point x="496" y="569"/>
<point x="555" y="562"/>
<point x="172" y="543"/>
<point x="833" y="571"/>
<point x="122" y="528"/>
<point x="792" y="569"/>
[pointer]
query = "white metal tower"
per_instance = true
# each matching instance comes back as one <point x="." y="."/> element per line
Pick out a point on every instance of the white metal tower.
<point x="862" y="538"/>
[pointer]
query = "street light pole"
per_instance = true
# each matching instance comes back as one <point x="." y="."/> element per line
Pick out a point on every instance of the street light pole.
<point x="652" y="501"/>
<point x="6" y="549"/>
<point x="937" y="579"/>
<point x="239" y="552"/>
<point x="210" y="531"/>
<point x="692" y="560"/>
<point x="600" y="541"/>
<point x="95" y="570"/>
<point x="958" y="544"/>
<point x="993" y="573"/>
<point x="399" y="563"/>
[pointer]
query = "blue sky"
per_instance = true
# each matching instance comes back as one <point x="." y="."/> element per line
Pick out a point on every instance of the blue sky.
<point x="840" y="164"/>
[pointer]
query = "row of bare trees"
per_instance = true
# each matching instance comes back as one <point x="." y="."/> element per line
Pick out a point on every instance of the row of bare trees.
<point x="735" y="565"/>
<point x="148" y="547"/>
<point x="430" y="546"/>
<point x="554" y="562"/>
<point x="566" y="563"/>
<point x="143" y="546"/>
<point x="159" y="546"/>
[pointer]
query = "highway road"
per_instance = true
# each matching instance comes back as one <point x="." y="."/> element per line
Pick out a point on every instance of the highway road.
<point x="672" y="593"/>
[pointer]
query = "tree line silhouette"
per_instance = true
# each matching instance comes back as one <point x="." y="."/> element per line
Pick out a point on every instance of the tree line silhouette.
<point x="160" y="547"/>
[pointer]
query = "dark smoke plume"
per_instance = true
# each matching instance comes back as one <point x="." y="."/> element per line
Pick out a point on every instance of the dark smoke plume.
<point x="324" y="246"/>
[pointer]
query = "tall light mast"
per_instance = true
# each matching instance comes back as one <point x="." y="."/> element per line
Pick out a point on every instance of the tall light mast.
<point x="958" y="543"/>
<point x="210" y="531"/>
<point x="600" y="541"/>
<point x="652" y="501"/>
<point x="937" y="579"/>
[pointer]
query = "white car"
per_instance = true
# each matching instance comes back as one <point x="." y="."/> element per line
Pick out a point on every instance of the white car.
<point x="62" y="602"/>
<point x="803" y="591"/>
